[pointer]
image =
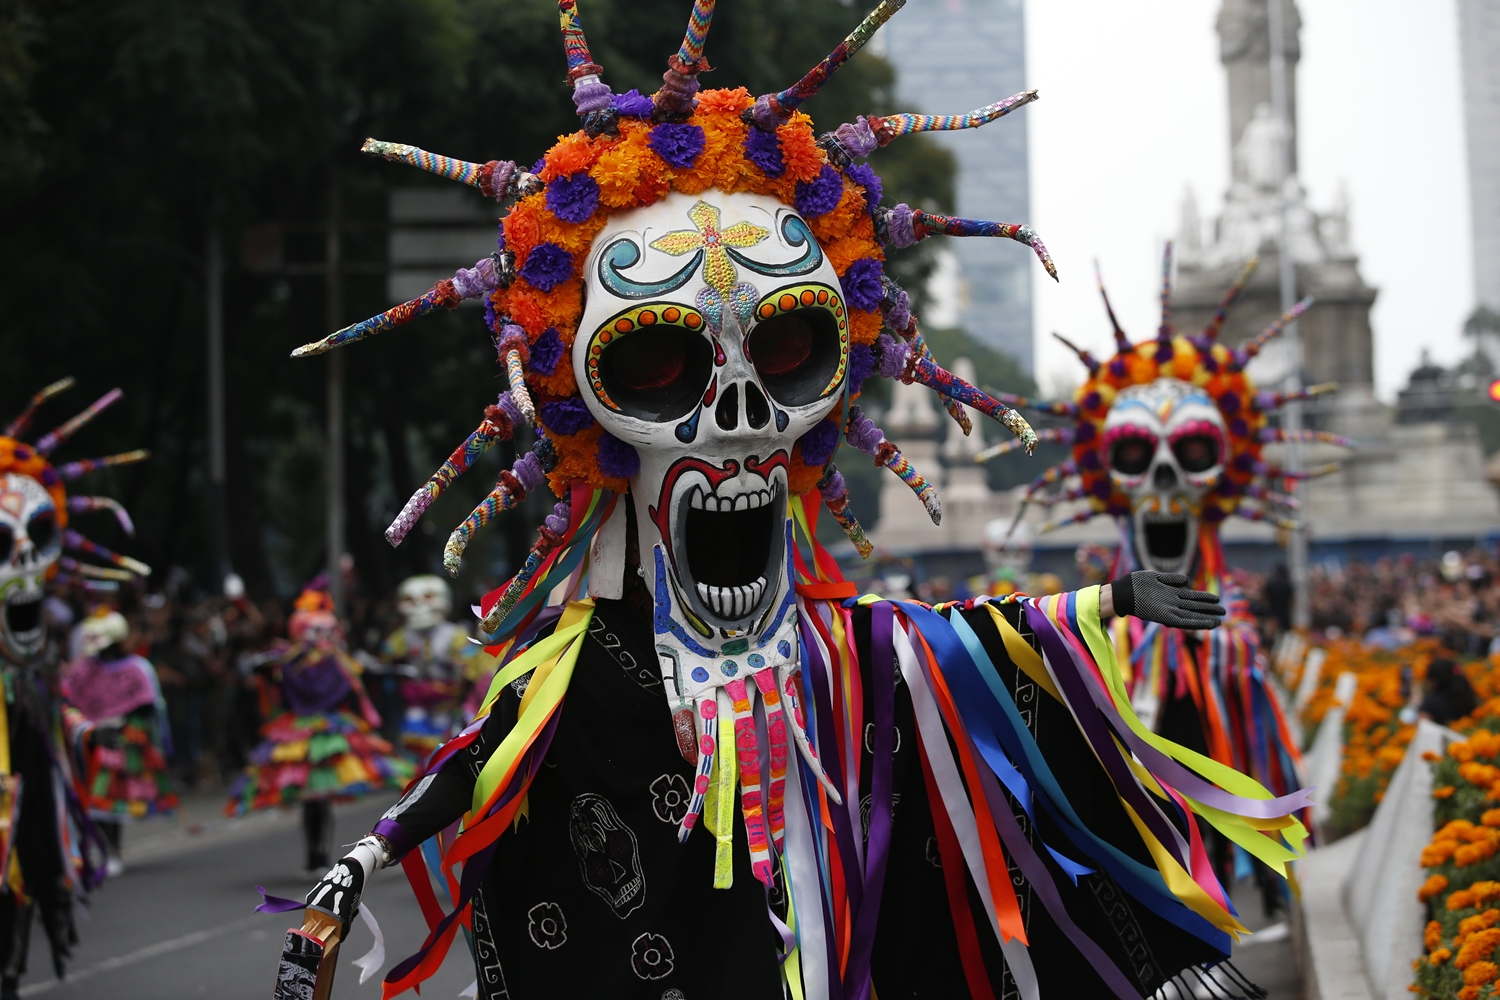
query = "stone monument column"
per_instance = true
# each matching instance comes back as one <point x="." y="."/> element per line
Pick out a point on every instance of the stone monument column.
<point x="1245" y="51"/>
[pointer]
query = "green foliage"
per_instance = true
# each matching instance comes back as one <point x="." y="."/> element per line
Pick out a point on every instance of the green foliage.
<point x="129" y="129"/>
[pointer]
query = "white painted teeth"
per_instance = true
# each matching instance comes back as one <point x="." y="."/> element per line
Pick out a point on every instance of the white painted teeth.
<point x="697" y="499"/>
<point x="732" y="603"/>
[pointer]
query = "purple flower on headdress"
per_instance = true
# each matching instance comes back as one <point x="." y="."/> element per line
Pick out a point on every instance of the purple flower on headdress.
<point x="617" y="458"/>
<point x="573" y="198"/>
<point x="862" y="283"/>
<point x="489" y="314"/>
<point x="820" y="196"/>
<point x="818" y="444"/>
<point x="865" y="176"/>
<point x="566" y="416"/>
<point x="677" y="143"/>
<point x="764" y="150"/>
<point x="536" y="167"/>
<point x="547" y="266"/>
<point x="547" y="351"/>
<point x="861" y="364"/>
<point x="633" y="104"/>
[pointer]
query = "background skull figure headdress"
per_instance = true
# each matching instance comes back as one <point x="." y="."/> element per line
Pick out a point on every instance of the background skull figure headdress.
<point x="35" y="536"/>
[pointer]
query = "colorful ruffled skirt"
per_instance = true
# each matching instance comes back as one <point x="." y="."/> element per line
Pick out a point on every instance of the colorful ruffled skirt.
<point x="333" y="755"/>
<point x="129" y="781"/>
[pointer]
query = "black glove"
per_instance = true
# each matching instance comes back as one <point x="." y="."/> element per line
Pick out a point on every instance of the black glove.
<point x="1165" y="598"/>
<point x="337" y="894"/>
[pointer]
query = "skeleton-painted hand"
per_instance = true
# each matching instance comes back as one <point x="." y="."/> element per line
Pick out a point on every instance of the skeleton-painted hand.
<point x="338" y="893"/>
<point x="1165" y="598"/>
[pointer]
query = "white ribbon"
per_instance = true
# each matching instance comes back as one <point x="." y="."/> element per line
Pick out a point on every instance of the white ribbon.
<point x="372" y="960"/>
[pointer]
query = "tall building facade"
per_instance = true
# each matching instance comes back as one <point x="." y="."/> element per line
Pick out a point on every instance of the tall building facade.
<point x="1479" y="43"/>
<point x="952" y="56"/>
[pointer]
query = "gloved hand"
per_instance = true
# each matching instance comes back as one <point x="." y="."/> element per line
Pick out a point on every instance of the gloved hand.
<point x="337" y="894"/>
<point x="1165" y="598"/>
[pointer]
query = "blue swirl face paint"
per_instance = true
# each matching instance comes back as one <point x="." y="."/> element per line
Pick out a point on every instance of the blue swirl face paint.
<point x="623" y="253"/>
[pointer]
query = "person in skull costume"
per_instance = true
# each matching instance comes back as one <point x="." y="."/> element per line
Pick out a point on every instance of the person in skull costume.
<point x="319" y="735"/>
<point x="1167" y="439"/>
<point x="50" y="851"/>
<point x="115" y="713"/>
<point x="934" y="800"/>
<point x="434" y="667"/>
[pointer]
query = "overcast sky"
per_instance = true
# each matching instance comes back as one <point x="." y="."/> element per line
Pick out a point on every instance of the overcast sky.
<point x="1133" y="112"/>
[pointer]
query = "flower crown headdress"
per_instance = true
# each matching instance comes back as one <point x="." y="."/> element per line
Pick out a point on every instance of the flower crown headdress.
<point x="632" y="151"/>
<point x="33" y="461"/>
<point x="1202" y="361"/>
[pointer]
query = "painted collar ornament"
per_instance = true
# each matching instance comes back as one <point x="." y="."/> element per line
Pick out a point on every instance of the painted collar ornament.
<point x="1168" y="437"/>
<point x="733" y="265"/>
<point x="34" y="530"/>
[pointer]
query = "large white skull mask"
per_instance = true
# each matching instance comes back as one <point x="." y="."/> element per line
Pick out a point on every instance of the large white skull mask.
<point x="714" y="335"/>
<point x="423" y="601"/>
<point x="1165" y="442"/>
<point x="30" y="544"/>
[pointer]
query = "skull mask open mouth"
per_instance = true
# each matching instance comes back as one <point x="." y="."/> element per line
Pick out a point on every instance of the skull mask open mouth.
<point x="30" y="543"/>
<point x="714" y="335"/>
<point x="1165" y="443"/>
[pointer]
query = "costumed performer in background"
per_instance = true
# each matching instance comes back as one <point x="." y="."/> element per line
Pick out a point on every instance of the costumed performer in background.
<point x="50" y="851"/>
<point x="718" y="771"/>
<point x="1167" y="438"/>
<point x="436" y="667"/>
<point x="319" y="735"/>
<point x="117" y="719"/>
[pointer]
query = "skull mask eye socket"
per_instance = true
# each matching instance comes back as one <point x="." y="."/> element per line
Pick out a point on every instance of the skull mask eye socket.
<point x="1131" y="456"/>
<point x="656" y="369"/>
<point x="796" y="354"/>
<point x="42" y="530"/>
<point x="1196" y="452"/>
<point x="7" y="542"/>
<point x="798" y="344"/>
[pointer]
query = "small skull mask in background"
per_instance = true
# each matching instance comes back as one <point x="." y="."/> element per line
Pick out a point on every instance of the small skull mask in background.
<point x="30" y="543"/>
<point x="714" y="335"/>
<point x="424" y="601"/>
<point x="608" y="857"/>
<point x="1166" y="442"/>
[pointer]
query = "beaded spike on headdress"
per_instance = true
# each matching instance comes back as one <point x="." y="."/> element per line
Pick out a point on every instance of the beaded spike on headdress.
<point x="1122" y="342"/>
<point x="899" y="360"/>
<point x="77" y="543"/>
<point x="1056" y="407"/>
<point x="903" y="226"/>
<point x="771" y="110"/>
<point x="1165" y="330"/>
<point x="591" y="96"/>
<point x="835" y="494"/>
<point x="861" y="432"/>
<point x="1269" y="401"/>
<point x="1216" y="324"/>
<point x="494" y="271"/>
<point x="18" y="426"/>
<point x="679" y="85"/>
<point x="48" y="442"/>
<point x="1063" y="435"/>
<point x="1251" y="348"/>
<point x="529" y="472"/>
<point x="72" y="470"/>
<point x="1089" y="361"/>
<point x="861" y="137"/>
<point x="84" y="505"/>
<point x="499" y="179"/>
<point x="498" y="425"/>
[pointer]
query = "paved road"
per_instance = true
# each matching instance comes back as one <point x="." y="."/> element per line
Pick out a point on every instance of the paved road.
<point x="180" y="923"/>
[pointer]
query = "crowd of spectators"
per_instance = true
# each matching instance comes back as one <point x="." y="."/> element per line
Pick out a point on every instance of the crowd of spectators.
<point x="1393" y="600"/>
<point x="205" y="648"/>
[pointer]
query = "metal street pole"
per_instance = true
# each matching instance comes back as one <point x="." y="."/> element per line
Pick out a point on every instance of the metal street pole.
<point x="335" y="394"/>
<point x="217" y="466"/>
<point x="1292" y="414"/>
